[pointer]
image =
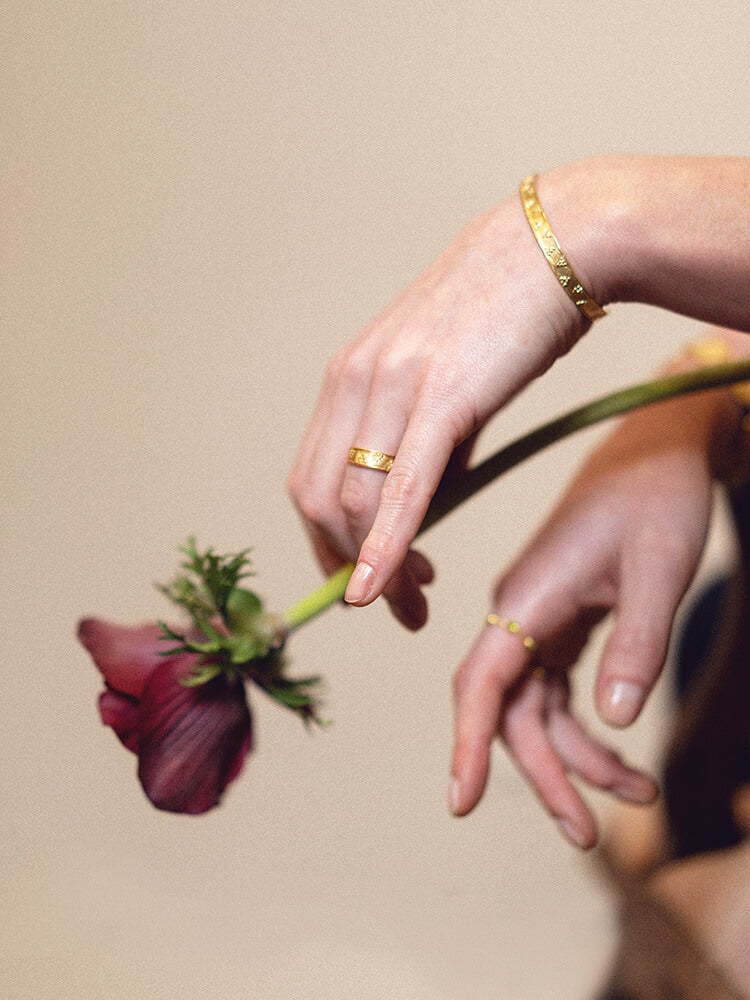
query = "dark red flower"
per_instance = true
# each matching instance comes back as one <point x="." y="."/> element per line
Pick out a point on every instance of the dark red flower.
<point x="191" y="741"/>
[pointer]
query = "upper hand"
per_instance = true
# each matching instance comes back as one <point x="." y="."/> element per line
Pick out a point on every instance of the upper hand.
<point x="480" y="323"/>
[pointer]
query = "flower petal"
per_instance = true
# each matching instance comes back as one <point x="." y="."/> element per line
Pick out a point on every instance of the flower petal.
<point x="121" y="712"/>
<point x="193" y="740"/>
<point x="126" y="655"/>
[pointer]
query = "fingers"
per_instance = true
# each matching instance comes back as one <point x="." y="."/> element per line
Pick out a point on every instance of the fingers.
<point x="499" y="692"/>
<point x="421" y="461"/>
<point x="585" y="756"/>
<point x="653" y="581"/>
<point x="481" y="685"/>
<point x="316" y="477"/>
<point x="549" y="744"/>
<point x="524" y="729"/>
<point x="364" y="404"/>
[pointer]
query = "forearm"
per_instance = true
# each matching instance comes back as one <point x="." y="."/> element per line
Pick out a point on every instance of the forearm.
<point x="704" y="428"/>
<point x="668" y="231"/>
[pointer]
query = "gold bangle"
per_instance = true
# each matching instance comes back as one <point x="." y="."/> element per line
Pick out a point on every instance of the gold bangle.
<point x="556" y="259"/>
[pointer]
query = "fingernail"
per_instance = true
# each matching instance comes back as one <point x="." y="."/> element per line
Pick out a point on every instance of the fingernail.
<point x="454" y="796"/>
<point x="572" y="833"/>
<point x="360" y="584"/>
<point x="622" y="702"/>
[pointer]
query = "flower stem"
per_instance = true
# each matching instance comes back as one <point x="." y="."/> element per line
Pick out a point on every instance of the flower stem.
<point x="328" y="593"/>
<point x="451" y="496"/>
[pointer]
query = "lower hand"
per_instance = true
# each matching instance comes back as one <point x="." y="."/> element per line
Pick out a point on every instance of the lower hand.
<point x="627" y="538"/>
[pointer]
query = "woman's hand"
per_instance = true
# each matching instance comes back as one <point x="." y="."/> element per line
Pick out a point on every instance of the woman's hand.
<point x="482" y="321"/>
<point x="626" y="538"/>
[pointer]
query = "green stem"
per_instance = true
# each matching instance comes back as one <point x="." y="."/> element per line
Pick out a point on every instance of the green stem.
<point x="451" y="496"/>
<point x="329" y="592"/>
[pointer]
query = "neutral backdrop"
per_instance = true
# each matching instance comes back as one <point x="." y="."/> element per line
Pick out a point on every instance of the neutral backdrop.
<point x="201" y="202"/>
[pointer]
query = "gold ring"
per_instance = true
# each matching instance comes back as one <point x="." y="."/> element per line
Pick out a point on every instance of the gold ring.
<point x="371" y="459"/>
<point x="514" y="627"/>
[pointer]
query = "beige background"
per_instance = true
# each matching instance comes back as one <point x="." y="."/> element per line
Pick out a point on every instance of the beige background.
<point x="201" y="202"/>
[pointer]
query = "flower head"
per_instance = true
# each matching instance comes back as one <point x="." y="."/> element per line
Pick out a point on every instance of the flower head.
<point x="191" y="740"/>
<point x="177" y="699"/>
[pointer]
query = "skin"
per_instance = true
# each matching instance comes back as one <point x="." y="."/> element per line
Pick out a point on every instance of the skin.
<point x="626" y="538"/>
<point x="485" y="319"/>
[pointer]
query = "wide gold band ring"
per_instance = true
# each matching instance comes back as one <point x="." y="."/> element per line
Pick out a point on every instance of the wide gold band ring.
<point x="514" y="628"/>
<point x="371" y="459"/>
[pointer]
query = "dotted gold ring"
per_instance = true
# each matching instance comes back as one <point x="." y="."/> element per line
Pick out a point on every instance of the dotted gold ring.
<point x="514" y="628"/>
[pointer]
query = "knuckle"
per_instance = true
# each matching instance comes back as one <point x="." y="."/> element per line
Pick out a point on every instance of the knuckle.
<point x="293" y="485"/>
<point x="378" y="547"/>
<point x="665" y="546"/>
<point x="355" y="499"/>
<point x="399" y="359"/>
<point x="401" y="488"/>
<point x="463" y="681"/>
<point x="312" y="505"/>
<point x="350" y="370"/>
<point x="458" y="683"/>
<point x="469" y="679"/>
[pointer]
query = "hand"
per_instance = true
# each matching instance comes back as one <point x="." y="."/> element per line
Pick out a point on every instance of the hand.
<point x="627" y="537"/>
<point x="481" y="322"/>
<point x="484" y="320"/>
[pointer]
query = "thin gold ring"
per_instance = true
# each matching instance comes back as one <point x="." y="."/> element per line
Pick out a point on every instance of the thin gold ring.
<point x="512" y="626"/>
<point x="371" y="459"/>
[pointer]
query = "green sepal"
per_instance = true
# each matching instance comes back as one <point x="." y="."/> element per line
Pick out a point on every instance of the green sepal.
<point x="206" y="585"/>
<point x="290" y="698"/>
<point x="241" y="639"/>
<point x="202" y="675"/>
<point x="243" y="649"/>
<point x="244" y="609"/>
<point x="186" y="645"/>
<point x="291" y="694"/>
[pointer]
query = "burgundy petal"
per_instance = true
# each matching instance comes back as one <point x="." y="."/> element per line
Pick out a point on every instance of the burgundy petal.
<point x="126" y="655"/>
<point x="193" y="740"/>
<point x="121" y="712"/>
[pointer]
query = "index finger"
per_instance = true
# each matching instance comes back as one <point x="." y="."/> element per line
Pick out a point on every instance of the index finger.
<point x="482" y="683"/>
<point x="418" y="467"/>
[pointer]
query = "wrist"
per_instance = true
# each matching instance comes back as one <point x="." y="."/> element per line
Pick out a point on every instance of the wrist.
<point x="591" y="210"/>
<point x="659" y="230"/>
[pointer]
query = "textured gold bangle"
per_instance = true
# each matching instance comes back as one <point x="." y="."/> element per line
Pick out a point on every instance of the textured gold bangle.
<point x="556" y="259"/>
